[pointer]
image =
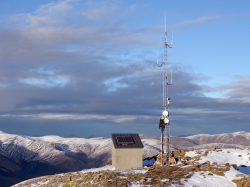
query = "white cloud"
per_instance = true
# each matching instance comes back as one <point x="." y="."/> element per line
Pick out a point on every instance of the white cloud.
<point x="49" y="82"/>
<point x="113" y="118"/>
<point x="193" y="21"/>
<point x="202" y="111"/>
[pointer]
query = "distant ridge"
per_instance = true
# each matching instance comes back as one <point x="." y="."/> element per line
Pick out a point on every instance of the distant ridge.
<point x="72" y="136"/>
<point x="92" y="136"/>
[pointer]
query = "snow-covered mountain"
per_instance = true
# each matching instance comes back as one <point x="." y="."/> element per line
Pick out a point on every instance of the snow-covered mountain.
<point x="239" y="138"/>
<point x="24" y="157"/>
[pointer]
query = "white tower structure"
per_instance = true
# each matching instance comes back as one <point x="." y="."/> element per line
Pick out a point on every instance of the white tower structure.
<point x="166" y="99"/>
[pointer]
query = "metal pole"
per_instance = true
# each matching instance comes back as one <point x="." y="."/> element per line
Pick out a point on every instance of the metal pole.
<point x="162" y="159"/>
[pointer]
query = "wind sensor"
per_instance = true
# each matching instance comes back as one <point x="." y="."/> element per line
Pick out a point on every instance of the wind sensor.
<point x="164" y="121"/>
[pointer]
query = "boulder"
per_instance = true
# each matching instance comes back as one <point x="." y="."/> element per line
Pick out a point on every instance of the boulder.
<point x="235" y="166"/>
<point x="211" y="149"/>
<point x="177" y="153"/>
<point x="237" y="182"/>
<point x="207" y="163"/>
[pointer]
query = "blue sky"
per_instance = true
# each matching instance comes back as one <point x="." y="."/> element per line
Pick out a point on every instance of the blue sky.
<point x="89" y="67"/>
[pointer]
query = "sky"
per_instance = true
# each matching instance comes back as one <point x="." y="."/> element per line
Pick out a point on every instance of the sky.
<point x="89" y="67"/>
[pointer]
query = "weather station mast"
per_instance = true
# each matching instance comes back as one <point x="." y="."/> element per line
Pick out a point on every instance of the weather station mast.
<point x="164" y="123"/>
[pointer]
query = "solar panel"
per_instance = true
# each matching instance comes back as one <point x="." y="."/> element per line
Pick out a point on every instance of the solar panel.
<point x="129" y="139"/>
<point x="125" y="140"/>
<point x="120" y="140"/>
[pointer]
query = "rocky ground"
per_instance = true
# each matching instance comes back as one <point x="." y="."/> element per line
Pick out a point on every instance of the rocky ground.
<point x="190" y="167"/>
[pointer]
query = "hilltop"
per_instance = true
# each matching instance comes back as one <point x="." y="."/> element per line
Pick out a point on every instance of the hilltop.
<point x="205" y="168"/>
<point x="25" y="157"/>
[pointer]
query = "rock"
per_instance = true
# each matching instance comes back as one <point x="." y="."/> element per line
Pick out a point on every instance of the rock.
<point x="207" y="163"/>
<point x="177" y="153"/>
<point x="205" y="153"/>
<point x="157" y="163"/>
<point x="191" y="163"/>
<point x="211" y="168"/>
<point x="240" y="175"/>
<point x="182" y="153"/>
<point x="187" y="158"/>
<point x="235" y="166"/>
<point x="237" y="182"/>
<point x="239" y="155"/>
<point x="204" y="168"/>
<point x="211" y="149"/>
<point x="198" y="151"/>
<point x="143" y="179"/>
<point x="172" y="160"/>
<point x="196" y="158"/>
<point x="220" y="173"/>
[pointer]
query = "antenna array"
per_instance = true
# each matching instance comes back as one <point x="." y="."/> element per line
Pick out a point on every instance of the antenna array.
<point x="164" y="121"/>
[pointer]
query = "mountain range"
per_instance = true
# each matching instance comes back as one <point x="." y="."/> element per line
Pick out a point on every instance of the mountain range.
<point x="25" y="157"/>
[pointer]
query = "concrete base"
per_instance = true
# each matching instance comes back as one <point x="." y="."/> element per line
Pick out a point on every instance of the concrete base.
<point x="129" y="158"/>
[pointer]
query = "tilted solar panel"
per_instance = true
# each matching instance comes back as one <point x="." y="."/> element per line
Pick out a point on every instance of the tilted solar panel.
<point x="129" y="139"/>
<point x="120" y="140"/>
<point x="126" y="141"/>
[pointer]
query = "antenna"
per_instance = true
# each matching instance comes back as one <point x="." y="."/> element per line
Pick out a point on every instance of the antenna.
<point x="172" y="38"/>
<point x="157" y="56"/>
<point x="171" y="77"/>
<point x="165" y="22"/>
<point x="164" y="121"/>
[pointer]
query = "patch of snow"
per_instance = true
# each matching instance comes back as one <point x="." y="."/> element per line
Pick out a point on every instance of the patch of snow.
<point x="96" y="169"/>
<point x="191" y="153"/>
<point x="137" y="184"/>
<point x="227" y="156"/>
<point x="133" y="171"/>
<point x="211" y="181"/>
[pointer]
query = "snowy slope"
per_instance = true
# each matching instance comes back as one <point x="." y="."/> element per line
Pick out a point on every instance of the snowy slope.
<point x="230" y="156"/>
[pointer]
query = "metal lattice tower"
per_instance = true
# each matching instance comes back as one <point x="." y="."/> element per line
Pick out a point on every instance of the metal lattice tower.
<point x="166" y="99"/>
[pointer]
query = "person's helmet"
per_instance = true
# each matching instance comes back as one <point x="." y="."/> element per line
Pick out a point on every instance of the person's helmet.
<point x="162" y="118"/>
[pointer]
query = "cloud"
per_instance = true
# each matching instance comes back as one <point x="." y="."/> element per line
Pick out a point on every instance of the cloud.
<point x="76" y="63"/>
<point x="62" y="117"/>
<point x="193" y="21"/>
<point x="180" y="26"/>
<point x="50" y="14"/>
<point x="238" y="90"/>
